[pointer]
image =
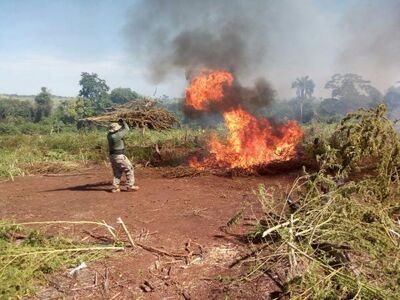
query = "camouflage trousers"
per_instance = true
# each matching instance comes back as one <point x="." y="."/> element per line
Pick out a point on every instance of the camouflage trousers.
<point x="121" y="164"/>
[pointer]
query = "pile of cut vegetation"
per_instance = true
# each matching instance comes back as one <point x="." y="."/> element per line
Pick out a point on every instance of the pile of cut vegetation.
<point x="140" y="114"/>
<point x="336" y="234"/>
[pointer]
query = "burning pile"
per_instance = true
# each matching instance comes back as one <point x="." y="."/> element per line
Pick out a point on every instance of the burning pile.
<point x="251" y="141"/>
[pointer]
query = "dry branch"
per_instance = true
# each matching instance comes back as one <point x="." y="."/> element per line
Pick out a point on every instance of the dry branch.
<point x="119" y="221"/>
<point x="161" y="252"/>
<point x="138" y="115"/>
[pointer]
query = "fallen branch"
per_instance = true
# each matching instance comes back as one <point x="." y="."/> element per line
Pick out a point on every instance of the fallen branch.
<point x="119" y="221"/>
<point x="272" y="229"/>
<point x="292" y="255"/>
<point x="161" y="252"/>
<point x="57" y="222"/>
<point x="63" y="250"/>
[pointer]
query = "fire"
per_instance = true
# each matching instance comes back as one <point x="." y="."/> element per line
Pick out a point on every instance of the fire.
<point x="251" y="141"/>
<point x="208" y="86"/>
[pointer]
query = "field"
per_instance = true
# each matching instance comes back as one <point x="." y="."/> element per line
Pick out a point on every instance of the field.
<point x="262" y="158"/>
<point x="184" y="217"/>
<point x="325" y="233"/>
<point x="30" y="154"/>
<point x="31" y="98"/>
<point x="67" y="177"/>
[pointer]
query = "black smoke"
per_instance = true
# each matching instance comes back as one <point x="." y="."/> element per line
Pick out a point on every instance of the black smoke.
<point x="184" y="37"/>
<point x="187" y="35"/>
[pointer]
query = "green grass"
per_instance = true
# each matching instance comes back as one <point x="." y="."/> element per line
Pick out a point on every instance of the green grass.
<point x="27" y="255"/>
<point x="22" y="154"/>
<point x="56" y="99"/>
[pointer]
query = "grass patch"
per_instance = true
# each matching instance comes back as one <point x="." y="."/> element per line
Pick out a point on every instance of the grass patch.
<point x="27" y="256"/>
<point x="31" y="154"/>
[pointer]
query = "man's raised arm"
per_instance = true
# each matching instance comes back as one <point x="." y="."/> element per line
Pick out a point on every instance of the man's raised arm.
<point x="125" y="128"/>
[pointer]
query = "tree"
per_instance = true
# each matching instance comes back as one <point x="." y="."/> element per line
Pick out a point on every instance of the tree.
<point x="354" y="91"/>
<point x="331" y="109"/>
<point x="14" y="109"/>
<point x="304" y="90"/>
<point x="392" y="98"/>
<point x="392" y="102"/>
<point x="92" y="86"/>
<point x="68" y="112"/>
<point x="43" y="105"/>
<point x="94" y="90"/>
<point x="304" y="87"/>
<point x="123" y="95"/>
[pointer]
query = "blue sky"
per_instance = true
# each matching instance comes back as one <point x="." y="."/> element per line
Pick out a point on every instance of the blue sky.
<point x="50" y="42"/>
<point x="72" y="29"/>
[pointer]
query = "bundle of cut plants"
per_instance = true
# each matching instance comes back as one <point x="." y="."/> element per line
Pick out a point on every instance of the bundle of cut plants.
<point x="182" y="171"/>
<point x="336" y="233"/>
<point x="333" y="244"/>
<point x="139" y="114"/>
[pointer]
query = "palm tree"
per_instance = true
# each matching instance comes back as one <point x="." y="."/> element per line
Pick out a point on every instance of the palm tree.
<point x="304" y="90"/>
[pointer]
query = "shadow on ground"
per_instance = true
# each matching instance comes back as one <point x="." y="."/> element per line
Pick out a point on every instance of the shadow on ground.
<point x="99" y="186"/>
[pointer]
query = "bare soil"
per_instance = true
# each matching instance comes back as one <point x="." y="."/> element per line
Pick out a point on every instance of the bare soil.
<point x="179" y="216"/>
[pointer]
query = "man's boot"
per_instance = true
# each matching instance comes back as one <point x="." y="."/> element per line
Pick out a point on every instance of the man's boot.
<point x="116" y="189"/>
<point x="132" y="188"/>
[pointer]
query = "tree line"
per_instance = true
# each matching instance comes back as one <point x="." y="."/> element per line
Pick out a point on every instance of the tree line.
<point x="93" y="98"/>
<point x="348" y="92"/>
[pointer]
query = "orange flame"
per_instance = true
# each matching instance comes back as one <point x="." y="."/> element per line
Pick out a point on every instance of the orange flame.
<point x="251" y="141"/>
<point x="208" y="86"/>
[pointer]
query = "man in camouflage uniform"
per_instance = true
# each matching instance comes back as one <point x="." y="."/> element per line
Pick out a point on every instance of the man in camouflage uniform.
<point x="119" y="162"/>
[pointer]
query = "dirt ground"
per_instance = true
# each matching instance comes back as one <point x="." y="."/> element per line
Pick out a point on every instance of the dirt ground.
<point x="183" y="216"/>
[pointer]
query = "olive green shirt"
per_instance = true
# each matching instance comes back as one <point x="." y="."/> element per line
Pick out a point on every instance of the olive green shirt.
<point x="116" y="140"/>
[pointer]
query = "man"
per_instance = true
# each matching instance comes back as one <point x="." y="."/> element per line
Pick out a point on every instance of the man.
<point x="119" y="162"/>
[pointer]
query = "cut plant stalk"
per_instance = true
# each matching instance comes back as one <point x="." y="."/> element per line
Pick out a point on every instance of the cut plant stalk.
<point x="119" y="221"/>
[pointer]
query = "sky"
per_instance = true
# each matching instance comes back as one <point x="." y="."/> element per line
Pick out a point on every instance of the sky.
<point x="51" y="42"/>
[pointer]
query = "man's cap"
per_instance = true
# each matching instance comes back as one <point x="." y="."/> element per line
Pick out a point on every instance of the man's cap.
<point x="114" y="127"/>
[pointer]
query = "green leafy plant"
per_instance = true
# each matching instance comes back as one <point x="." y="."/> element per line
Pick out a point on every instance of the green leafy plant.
<point x="342" y="239"/>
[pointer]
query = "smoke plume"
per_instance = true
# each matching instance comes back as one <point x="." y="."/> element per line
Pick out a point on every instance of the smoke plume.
<point x="186" y="35"/>
<point x="371" y="43"/>
<point x="279" y="40"/>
